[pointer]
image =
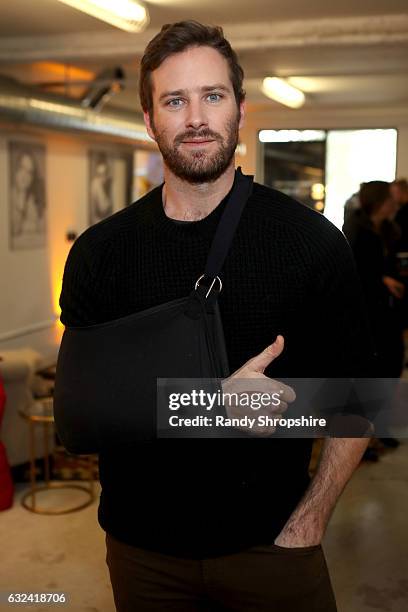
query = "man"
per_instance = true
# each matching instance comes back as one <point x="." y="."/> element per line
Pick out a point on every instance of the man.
<point x="220" y="524"/>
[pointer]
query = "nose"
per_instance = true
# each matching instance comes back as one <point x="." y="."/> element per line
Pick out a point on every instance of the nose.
<point x="196" y="116"/>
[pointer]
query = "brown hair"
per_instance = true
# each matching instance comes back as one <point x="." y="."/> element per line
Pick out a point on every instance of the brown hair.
<point x="372" y="195"/>
<point x="177" y="37"/>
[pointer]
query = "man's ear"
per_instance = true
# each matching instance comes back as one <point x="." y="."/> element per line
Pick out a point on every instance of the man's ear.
<point x="242" y="113"/>
<point x="148" y="124"/>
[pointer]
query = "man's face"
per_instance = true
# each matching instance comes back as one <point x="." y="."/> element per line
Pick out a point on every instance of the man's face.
<point x="195" y="119"/>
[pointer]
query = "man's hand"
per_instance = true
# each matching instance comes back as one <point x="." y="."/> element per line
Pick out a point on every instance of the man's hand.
<point x="251" y="380"/>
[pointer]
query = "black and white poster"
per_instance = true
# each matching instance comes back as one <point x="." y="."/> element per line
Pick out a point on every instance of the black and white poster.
<point x="27" y="195"/>
<point x="100" y="185"/>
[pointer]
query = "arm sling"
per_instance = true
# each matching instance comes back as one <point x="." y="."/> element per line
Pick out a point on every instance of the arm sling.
<point x="105" y="387"/>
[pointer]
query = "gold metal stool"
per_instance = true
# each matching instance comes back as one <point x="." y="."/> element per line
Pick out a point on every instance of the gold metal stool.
<point x="42" y="413"/>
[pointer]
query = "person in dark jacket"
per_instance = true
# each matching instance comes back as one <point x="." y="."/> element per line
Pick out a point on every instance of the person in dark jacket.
<point x="373" y="236"/>
<point x="399" y="191"/>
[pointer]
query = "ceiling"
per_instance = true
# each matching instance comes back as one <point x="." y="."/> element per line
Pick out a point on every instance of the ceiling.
<point x="340" y="54"/>
<point x="39" y="17"/>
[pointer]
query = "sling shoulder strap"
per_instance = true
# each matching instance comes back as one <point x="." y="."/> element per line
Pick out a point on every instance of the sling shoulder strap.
<point x="241" y="191"/>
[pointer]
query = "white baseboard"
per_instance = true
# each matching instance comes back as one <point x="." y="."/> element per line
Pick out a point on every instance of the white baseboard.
<point x="29" y="329"/>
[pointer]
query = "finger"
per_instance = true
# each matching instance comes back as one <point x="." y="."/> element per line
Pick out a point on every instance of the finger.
<point x="259" y="383"/>
<point x="283" y="406"/>
<point x="260" y="362"/>
<point x="286" y="394"/>
<point x="274" y="412"/>
<point x="279" y="389"/>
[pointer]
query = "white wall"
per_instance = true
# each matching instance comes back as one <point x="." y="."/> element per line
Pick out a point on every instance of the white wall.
<point x="402" y="151"/>
<point x="30" y="280"/>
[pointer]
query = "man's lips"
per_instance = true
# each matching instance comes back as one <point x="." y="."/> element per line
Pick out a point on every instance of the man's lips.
<point x="197" y="141"/>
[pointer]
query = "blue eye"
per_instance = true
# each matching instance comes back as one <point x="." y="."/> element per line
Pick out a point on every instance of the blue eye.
<point x="175" y="102"/>
<point x="214" y="97"/>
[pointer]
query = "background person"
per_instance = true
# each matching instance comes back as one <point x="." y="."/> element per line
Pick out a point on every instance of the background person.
<point x="399" y="191"/>
<point x="373" y="236"/>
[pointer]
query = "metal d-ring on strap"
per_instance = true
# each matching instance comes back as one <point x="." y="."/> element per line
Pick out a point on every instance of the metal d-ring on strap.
<point x="211" y="286"/>
<point x="227" y="225"/>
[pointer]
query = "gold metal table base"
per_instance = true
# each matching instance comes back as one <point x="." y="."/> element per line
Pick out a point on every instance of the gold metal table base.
<point x="32" y="507"/>
<point x="87" y="461"/>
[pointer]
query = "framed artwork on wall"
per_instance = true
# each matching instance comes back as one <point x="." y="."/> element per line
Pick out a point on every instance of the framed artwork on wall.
<point x="100" y="185"/>
<point x="27" y="195"/>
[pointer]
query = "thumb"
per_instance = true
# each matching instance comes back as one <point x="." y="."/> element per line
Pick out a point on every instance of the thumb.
<point x="260" y="362"/>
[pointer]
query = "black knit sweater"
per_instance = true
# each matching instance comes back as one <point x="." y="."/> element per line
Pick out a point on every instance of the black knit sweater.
<point x="289" y="272"/>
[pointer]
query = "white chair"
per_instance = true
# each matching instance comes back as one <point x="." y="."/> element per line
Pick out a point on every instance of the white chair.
<point x="17" y="369"/>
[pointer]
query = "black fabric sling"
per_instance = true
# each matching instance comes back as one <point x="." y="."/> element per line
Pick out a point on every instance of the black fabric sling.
<point x="105" y="388"/>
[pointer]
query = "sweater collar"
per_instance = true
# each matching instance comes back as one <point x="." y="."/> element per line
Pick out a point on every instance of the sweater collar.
<point x="204" y="227"/>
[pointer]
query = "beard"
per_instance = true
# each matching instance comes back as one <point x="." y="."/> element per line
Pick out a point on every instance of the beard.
<point x="199" y="166"/>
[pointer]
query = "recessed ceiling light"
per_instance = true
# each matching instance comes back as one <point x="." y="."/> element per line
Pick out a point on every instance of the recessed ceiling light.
<point x="280" y="91"/>
<point x="127" y="15"/>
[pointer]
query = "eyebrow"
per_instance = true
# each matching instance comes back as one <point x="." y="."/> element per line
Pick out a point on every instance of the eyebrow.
<point x="183" y="92"/>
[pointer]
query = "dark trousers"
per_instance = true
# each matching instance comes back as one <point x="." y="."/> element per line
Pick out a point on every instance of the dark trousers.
<point x="263" y="579"/>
